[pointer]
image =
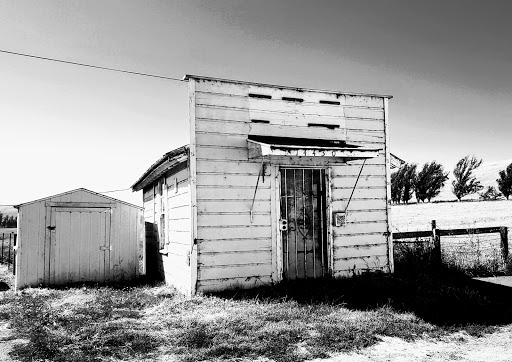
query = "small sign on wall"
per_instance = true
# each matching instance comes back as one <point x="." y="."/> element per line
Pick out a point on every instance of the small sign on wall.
<point x="339" y="218"/>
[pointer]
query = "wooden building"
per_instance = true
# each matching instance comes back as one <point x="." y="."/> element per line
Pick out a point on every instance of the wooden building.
<point x="276" y="183"/>
<point x="78" y="236"/>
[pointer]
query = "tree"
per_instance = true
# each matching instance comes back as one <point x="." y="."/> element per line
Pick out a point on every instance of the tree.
<point x="429" y="181"/>
<point x="1" y="219"/>
<point x="490" y="194"/>
<point x="402" y="183"/>
<point x="396" y="187"/>
<point x="409" y="181"/>
<point x="505" y="181"/>
<point x="465" y="183"/>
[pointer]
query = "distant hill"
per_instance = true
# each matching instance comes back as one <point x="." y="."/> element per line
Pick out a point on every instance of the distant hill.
<point x="487" y="174"/>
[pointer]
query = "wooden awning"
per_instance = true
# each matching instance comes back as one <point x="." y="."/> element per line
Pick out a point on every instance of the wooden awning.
<point x="260" y="146"/>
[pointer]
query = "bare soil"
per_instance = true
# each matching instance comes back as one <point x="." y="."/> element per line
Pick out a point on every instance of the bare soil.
<point x="494" y="347"/>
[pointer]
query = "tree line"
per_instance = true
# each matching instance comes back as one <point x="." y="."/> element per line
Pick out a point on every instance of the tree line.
<point x="8" y="221"/>
<point x="428" y="182"/>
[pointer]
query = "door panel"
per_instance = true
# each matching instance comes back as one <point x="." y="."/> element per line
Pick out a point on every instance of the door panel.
<point x="80" y="245"/>
<point x="303" y="206"/>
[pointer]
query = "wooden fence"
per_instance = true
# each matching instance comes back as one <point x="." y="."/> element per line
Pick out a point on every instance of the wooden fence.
<point x="7" y="243"/>
<point x="435" y="234"/>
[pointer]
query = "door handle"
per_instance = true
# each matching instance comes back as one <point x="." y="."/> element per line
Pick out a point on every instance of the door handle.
<point x="283" y="225"/>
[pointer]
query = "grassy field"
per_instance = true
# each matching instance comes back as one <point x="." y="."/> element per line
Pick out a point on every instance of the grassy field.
<point x="451" y="215"/>
<point x="479" y="255"/>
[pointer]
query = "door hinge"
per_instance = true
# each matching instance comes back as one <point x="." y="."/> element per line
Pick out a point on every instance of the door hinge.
<point x="105" y="247"/>
<point x="50" y="227"/>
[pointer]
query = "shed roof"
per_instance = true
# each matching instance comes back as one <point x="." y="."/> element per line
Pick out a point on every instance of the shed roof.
<point x="300" y="89"/>
<point x="164" y="163"/>
<point x="74" y="191"/>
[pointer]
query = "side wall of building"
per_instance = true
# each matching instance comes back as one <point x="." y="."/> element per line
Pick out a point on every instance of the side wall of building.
<point x="232" y="249"/>
<point x="168" y="237"/>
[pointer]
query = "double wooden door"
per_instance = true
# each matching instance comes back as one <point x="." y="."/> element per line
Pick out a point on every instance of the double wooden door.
<point x="303" y="222"/>
<point x="79" y="248"/>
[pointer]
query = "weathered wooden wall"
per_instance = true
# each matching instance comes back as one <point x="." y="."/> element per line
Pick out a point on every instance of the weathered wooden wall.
<point x="231" y="249"/>
<point x="34" y="252"/>
<point x="171" y="264"/>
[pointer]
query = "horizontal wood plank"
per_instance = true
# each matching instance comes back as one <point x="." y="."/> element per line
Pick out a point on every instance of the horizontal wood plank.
<point x="236" y="232"/>
<point x="228" y="259"/>
<point x="231" y="245"/>
<point x="241" y="271"/>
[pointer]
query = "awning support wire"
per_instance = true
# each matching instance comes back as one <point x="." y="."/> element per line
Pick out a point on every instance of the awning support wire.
<point x="262" y="170"/>
<point x="354" y="188"/>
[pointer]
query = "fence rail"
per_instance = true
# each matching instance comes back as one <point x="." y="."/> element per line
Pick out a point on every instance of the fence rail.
<point x="434" y="236"/>
<point x="7" y="243"/>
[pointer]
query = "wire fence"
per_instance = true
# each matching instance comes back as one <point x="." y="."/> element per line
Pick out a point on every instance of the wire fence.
<point x="476" y="251"/>
<point x="7" y="243"/>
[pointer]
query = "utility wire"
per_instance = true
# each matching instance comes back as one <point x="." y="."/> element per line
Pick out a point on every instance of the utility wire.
<point x="107" y="192"/>
<point x="91" y="66"/>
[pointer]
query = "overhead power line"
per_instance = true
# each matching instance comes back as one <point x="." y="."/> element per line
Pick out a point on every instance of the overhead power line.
<point x="91" y="66"/>
<point x="107" y="192"/>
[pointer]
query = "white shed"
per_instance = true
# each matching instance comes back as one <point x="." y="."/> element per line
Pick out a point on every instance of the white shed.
<point x="78" y="236"/>
<point x="275" y="183"/>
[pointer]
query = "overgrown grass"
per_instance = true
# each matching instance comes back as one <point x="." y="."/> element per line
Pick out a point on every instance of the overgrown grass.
<point x="292" y="321"/>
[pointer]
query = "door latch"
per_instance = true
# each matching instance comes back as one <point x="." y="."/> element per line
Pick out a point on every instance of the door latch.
<point x="50" y="228"/>
<point x="105" y="247"/>
<point x="283" y="225"/>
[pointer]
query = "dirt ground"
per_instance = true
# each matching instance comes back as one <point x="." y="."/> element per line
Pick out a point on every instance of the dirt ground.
<point x="495" y="347"/>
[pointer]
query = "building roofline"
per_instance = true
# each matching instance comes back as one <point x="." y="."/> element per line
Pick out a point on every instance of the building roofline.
<point x="75" y="190"/>
<point x="172" y="157"/>
<point x="187" y="77"/>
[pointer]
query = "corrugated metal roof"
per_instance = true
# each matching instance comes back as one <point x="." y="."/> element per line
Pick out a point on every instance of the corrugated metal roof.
<point x="300" y="89"/>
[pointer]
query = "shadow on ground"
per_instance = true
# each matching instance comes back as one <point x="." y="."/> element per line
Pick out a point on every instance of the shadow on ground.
<point x="440" y="296"/>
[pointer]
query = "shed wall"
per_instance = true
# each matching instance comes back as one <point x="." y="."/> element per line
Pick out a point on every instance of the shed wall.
<point x="32" y="248"/>
<point x="234" y="251"/>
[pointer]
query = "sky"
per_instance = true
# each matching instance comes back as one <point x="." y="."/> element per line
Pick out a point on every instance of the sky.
<point x="447" y="64"/>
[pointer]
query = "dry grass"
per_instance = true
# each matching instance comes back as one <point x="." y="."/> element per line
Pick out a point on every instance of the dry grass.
<point x="292" y="321"/>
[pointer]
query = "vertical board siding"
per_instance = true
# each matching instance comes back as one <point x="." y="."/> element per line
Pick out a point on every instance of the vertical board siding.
<point x="75" y="258"/>
<point x="226" y="178"/>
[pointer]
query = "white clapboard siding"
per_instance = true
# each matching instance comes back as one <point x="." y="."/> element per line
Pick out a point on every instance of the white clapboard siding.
<point x="222" y="284"/>
<point x="356" y="251"/>
<point x="232" y="245"/>
<point x="232" y="249"/>
<point x="363" y="181"/>
<point x="358" y="239"/>
<point x="361" y="262"/>
<point x="232" y="219"/>
<point x="231" y="206"/>
<point x="236" y="180"/>
<point x="234" y="271"/>
<point x="277" y="92"/>
<point x="233" y="258"/>
<point x="366" y="216"/>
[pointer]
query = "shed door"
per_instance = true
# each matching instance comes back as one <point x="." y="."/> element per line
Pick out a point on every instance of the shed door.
<point x="80" y="244"/>
<point x="303" y="222"/>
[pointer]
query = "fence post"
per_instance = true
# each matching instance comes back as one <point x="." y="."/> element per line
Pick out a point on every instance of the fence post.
<point x="437" y="243"/>
<point x="14" y="256"/>
<point x="9" y="254"/>
<point x="504" y="242"/>
<point x="2" y="255"/>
